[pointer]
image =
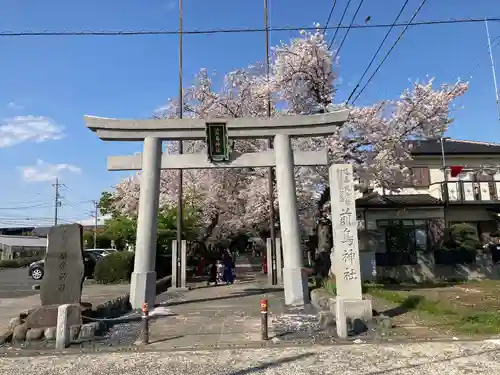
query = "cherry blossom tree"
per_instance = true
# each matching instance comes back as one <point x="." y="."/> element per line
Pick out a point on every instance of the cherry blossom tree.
<point x="302" y="81"/>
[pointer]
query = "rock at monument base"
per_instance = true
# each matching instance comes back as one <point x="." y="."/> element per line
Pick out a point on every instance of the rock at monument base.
<point x="46" y="316"/>
<point x="64" y="269"/>
<point x="19" y="333"/>
<point x="50" y="333"/>
<point x="34" y="334"/>
<point x="74" y="331"/>
<point x="15" y="322"/>
<point x="89" y="331"/>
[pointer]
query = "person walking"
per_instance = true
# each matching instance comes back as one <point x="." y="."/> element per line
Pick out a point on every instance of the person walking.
<point x="228" y="267"/>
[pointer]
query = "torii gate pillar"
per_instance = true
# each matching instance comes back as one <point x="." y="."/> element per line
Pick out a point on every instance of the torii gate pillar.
<point x="296" y="290"/>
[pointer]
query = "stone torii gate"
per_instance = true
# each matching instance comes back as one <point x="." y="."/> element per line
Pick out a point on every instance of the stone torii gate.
<point x="217" y="133"/>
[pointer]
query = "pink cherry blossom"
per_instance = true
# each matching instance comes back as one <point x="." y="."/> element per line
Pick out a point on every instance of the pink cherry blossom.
<point x="302" y="81"/>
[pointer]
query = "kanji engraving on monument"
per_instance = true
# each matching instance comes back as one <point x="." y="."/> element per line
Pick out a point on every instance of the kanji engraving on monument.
<point x="345" y="232"/>
<point x="64" y="269"/>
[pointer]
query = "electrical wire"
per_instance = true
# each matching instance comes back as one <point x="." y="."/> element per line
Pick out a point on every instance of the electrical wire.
<point x="390" y="50"/>
<point x="8" y="33"/>
<point x="340" y="23"/>
<point x="347" y="32"/>
<point x="378" y="50"/>
<point x="43" y="205"/>
<point x="330" y="16"/>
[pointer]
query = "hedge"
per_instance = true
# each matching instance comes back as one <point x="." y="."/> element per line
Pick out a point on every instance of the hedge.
<point x="116" y="267"/>
<point x="18" y="263"/>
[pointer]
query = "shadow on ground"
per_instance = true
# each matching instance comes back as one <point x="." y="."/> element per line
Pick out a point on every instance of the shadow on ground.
<point x="410" y="303"/>
<point x="269" y="365"/>
<point x="408" y="286"/>
<point x="245" y="293"/>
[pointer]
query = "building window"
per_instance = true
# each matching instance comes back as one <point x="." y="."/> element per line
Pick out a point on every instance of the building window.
<point x="405" y="235"/>
<point x="403" y="238"/>
<point x="421" y="176"/>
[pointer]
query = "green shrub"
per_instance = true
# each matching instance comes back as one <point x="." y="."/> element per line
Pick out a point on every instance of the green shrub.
<point x="18" y="263"/>
<point x="330" y="284"/>
<point x="115" y="268"/>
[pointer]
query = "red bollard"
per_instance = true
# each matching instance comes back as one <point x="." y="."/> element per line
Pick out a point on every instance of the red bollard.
<point x="145" y="323"/>
<point x="263" y="319"/>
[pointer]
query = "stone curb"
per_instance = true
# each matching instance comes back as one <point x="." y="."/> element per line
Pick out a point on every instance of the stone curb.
<point x="94" y="324"/>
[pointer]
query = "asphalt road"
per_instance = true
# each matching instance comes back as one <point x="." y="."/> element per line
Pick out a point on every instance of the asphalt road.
<point x="16" y="283"/>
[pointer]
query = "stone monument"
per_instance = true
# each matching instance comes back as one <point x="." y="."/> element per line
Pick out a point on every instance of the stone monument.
<point x="64" y="270"/>
<point x="345" y="257"/>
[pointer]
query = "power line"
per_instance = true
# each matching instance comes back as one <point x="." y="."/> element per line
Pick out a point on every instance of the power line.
<point x="340" y="22"/>
<point x="390" y="50"/>
<point x="330" y="16"/>
<point x="347" y="32"/>
<point x="378" y="50"/>
<point x="41" y="205"/>
<point x="145" y="32"/>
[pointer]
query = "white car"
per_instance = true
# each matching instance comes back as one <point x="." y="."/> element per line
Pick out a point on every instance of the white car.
<point x="102" y="252"/>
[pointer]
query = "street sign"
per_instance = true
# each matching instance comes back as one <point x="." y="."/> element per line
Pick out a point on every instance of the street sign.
<point x="217" y="142"/>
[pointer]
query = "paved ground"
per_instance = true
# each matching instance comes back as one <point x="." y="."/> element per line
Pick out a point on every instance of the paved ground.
<point x="457" y="358"/>
<point x="218" y="316"/>
<point x="209" y="316"/>
<point x="16" y="283"/>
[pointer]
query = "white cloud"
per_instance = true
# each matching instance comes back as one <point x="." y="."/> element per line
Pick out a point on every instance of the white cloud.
<point x="21" y="129"/>
<point x="43" y="171"/>
<point x="14" y="105"/>
<point x="171" y="5"/>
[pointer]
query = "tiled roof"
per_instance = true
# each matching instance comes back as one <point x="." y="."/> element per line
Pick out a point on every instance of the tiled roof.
<point x="454" y="147"/>
<point x="397" y="200"/>
<point x="23" y="241"/>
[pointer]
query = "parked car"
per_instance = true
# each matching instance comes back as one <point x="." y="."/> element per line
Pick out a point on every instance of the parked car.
<point x="36" y="269"/>
<point x="102" y="252"/>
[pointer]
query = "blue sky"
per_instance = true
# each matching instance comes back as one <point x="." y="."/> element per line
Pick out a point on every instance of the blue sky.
<point x="49" y="83"/>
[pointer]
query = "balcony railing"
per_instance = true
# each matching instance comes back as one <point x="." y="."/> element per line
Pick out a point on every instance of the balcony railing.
<point x="470" y="192"/>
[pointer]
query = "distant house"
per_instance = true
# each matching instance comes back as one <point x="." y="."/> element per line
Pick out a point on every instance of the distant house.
<point x="17" y="247"/>
<point x="411" y="222"/>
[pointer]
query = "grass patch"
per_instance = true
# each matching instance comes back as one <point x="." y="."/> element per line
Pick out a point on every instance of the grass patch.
<point x="461" y="320"/>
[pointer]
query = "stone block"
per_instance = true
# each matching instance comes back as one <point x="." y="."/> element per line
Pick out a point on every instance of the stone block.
<point x="50" y="333"/>
<point x="46" y="316"/>
<point x="63" y="330"/>
<point x="322" y="299"/>
<point x="19" y="333"/>
<point x="326" y="319"/>
<point x="15" y="322"/>
<point x="34" y="334"/>
<point x="74" y="331"/>
<point x="89" y="331"/>
<point x="351" y="313"/>
<point x="64" y="269"/>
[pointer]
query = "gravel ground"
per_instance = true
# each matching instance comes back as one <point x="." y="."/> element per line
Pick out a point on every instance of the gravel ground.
<point x="124" y="333"/>
<point x="455" y="358"/>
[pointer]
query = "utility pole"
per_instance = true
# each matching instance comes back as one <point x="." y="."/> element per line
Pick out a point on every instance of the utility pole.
<point x="96" y="220"/>
<point x="492" y="66"/>
<point x="270" y="172"/>
<point x="181" y="113"/>
<point x="57" y="201"/>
